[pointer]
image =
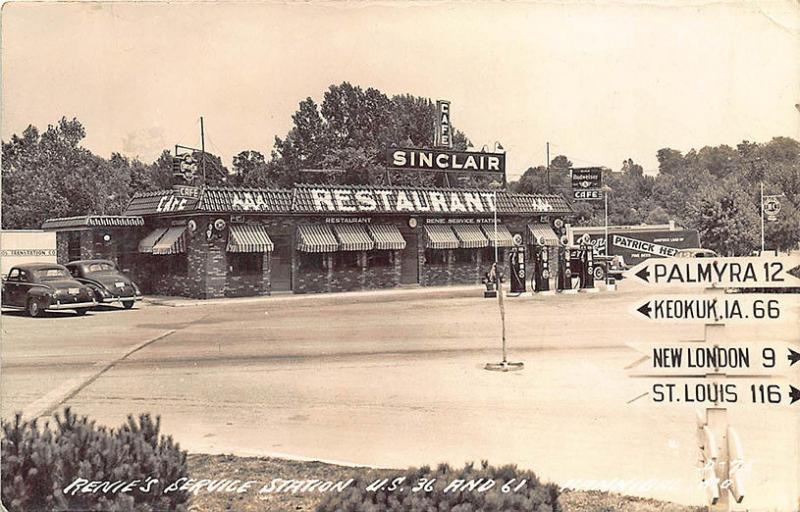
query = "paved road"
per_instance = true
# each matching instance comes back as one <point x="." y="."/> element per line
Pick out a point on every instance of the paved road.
<point x="397" y="383"/>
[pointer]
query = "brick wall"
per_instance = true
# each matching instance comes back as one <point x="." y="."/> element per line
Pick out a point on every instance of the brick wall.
<point x="62" y="247"/>
<point x="250" y="285"/>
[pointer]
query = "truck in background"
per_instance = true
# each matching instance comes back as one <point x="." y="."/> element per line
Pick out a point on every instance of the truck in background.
<point x="630" y="245"/>
<point x="26" y="246"/>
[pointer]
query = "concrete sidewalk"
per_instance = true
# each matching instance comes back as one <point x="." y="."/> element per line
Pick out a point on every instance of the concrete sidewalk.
<point x="384" y="295"/>
<point x="389" y="295"/>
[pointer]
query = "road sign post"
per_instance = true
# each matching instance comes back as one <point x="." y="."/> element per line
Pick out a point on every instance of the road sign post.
<point x="702" y="368"/>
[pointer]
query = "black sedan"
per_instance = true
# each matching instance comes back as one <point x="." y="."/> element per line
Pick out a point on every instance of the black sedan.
<point x="40" y="287"/>
<point x="110" y="286"/>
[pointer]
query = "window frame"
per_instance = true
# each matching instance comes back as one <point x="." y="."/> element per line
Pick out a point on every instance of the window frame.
<point x="246" y="264"/>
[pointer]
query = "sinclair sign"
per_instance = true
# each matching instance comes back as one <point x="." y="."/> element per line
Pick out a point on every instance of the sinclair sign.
<point x="446" y="160"/>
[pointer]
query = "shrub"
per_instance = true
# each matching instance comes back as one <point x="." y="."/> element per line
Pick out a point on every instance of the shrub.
<point x="38" y="464"/>
<point x="533" y="496"/>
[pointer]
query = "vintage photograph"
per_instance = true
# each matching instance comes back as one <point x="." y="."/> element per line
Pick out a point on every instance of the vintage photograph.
<point x="363" y="256"/>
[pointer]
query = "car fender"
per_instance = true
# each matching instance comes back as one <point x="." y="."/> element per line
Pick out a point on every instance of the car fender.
<point x="91" y="283"/>
<point x="40" y="292"/>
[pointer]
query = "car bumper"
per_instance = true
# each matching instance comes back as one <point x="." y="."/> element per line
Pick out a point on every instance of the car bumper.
<point x="112" y="300"/>
<point x="73" y="305"/>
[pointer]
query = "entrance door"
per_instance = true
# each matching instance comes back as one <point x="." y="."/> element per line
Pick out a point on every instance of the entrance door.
<point x="409" y="273"/>
<point x="281" y="272"/>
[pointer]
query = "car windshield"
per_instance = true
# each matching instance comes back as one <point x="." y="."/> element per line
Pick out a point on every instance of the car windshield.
<point x="50" y="274"/>
<point x="101" y="267"/>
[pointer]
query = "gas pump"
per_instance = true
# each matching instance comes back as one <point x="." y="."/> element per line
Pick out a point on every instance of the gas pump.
<point x="564" y="277"/>
<point x="541" y="268"/>
<point x="587" y="279"/>
<point x="517" y="266"/>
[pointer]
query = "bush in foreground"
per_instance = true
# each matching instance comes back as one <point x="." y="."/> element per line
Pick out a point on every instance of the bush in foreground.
<point x="37" y="464"/>
<point x="508" y="493"/>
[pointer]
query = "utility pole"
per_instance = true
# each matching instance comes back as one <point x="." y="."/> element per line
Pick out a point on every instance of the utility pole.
<point x="762" y="217"/>
<point x="548" y="167"/>
<point x="203" y="149"/>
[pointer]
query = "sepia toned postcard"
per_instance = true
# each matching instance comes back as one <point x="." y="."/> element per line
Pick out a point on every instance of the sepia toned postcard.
<point x="400" y="256"/>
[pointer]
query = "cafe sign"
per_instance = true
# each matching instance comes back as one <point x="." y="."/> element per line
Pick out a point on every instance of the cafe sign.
<point x="444" y="136"/>
<point x="446" y="160"/>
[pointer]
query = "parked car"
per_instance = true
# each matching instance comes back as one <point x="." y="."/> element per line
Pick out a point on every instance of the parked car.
<point x="697" y="252"/>
<point x="611" y="266"/>
<point x="110" y="286"/>
<point x="40" y="287"/>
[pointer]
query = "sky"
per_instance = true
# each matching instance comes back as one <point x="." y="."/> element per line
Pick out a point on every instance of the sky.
<point x="600" y="81"/>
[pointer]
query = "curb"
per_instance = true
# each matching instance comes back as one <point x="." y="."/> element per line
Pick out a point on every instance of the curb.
<point x="318" y="298"/>
<point x="46" y="405"/>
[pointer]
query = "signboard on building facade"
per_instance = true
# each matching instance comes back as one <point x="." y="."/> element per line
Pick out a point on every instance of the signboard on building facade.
<point x="444" y="136"/>
<point x="446" y="160"/>
<point x="587" y="183"/>
<point x="637" y="247"/>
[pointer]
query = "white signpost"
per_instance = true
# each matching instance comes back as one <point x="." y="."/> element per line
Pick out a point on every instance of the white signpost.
<point x="745" y="272"/>
<point x="708" y="373"/>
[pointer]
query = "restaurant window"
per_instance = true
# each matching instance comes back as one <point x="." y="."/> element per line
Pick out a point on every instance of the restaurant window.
<point x="311" y="261"/>
<point x="487" y="255"/>
<point x="346" y="259"/>
<point x="176" y="264"/>
<point x="379" y="259"/>
<point x="435" y="257"/>
<point x="465" y="255"/>
<point x="73" y="245"/>
<point x="245" y="263"/>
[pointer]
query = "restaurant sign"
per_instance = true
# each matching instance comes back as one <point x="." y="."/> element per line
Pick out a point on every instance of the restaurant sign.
<point x="400" y="201"/>
<point x="446" y="160"/>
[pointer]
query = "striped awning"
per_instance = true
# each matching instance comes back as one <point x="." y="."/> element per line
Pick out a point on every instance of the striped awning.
<point x="353" y="237"/>
<point x="542" y="233"/>
<point x="470" y="236"/>
<point x="173" y="241"/>
<point x="147" y="243"/>
<point x="387" y="237"/>
<point x="316" y="238"/>
<point x="504" y="238"/>
<point x="440" y="236"/>
<point x="249" y="238"/>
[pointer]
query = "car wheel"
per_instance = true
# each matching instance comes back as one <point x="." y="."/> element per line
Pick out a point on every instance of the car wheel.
<point x="127" y="304"/>
<point x="34" y="308"/>
<point x="81" y="312"/>
<point x="599" y="273"/>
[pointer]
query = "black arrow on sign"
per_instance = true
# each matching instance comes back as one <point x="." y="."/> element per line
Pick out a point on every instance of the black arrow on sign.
<point x="643" y="275"/>
<point x="794" y="394"/>
<point x="645" y="309"/>
<point x="793" y="357"/>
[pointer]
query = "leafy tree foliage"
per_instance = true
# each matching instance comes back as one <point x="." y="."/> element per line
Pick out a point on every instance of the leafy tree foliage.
<point x="714" y="189"/>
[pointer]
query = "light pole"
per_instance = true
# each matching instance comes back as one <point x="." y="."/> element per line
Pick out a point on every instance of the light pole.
<point x="762" y="217"/>
<point x="504" y="365"/>
<point x="606" y="190"/>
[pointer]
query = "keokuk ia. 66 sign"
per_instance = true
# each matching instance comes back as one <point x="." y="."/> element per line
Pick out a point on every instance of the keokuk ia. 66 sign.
<point x="742" y="272"/>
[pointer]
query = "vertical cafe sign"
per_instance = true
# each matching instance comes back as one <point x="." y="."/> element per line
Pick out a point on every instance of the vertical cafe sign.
<point x="444" y="136"/>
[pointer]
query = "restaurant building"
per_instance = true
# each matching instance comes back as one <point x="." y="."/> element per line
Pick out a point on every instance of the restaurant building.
<point x="210" y="242"/>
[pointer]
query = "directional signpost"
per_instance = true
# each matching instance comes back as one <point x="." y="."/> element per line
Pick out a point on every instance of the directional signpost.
<point x="709" y="372"/>
<point x="744" y="272"/>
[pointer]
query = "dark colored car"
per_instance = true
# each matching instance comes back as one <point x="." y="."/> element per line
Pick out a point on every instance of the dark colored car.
<point x="611" y="266"/>
<point x="40" y="287"/>
<point x="110" y="286"/>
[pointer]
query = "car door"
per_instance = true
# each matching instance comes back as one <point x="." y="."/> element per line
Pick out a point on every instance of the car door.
<point x="11" y="288"/>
